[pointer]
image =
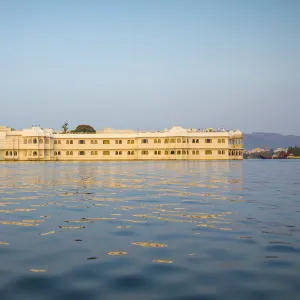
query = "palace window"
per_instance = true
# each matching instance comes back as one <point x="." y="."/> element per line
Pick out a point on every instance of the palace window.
<point x="197" y="152"/>
<point x="208" y="141"/>
<point x="106" y="153"/>
<point x="208" y="152"/>
<point x="219" y="141"/>
<point x="58" y="153"/>
<point x="158" y="152"/>
<point x="223" y="141"/>
<point x="92" y="152"/>
<point x="81" y="142"/>
<point x="223" y="151"/>
<point x="106" y="142"/>
<point x="194" y="152"/>
<point x="25" y="141"/>
<point x="67" y="142"/>
<point x="132" y="142"/>
<point x="184" y="140"/>
<point x="92" y="141"/>
<point x="172" y="141"/>
<point x="81" y="153"/>
<point x="155" y="152"/>
<point x="35" y="141"/>
<point x="118" y="142"/>
<point x="183" y="152"/>
<point x="29" y="141"/>
<point x="41" y="141"/>
<point x="145" y="152"/>
<point x="130" y="152"/>
<point x="118" y="153"/>
<point x="178" y="140"/>
<point x="166" y="152"/>
<point x="34" y="153"/>
<point x="15" y="153"/>
<point x="46" y="141"/>
<point x="172" y="152"/>
<point x="71" y="142"/>
<point x="193" y="141"/>
<point x="166" y="141"/>
<point x="71" y="152"/>
<point x="55" y="153"/>
<point x="67" y="153"/>
<point x="179" y="152"/>
<point x="144" y="141"/>
<point x="55" y="142"/>
<point x="219" y="152"/>
<point x="197" y="141"/>
<point x="159" y="141"/>
<point x="155" y="141"/>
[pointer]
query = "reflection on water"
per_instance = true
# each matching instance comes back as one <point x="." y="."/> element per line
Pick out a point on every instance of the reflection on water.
<point x="152" y="230"/>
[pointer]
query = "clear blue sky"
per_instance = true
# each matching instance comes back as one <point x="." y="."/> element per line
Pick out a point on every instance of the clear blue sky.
<point x="151" y="64"/>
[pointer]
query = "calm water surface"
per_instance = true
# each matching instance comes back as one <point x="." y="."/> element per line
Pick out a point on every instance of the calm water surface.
<point x="150" y="230"/>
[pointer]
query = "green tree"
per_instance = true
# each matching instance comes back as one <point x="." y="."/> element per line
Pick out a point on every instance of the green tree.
<point x="84" y="129"/>
<point x="65" y="127"/>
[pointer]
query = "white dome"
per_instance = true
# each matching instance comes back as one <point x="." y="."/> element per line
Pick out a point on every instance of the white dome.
<point x="238" y="133"/>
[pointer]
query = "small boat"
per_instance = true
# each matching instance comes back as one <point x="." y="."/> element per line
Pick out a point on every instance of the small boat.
<point x="281" y="155"/>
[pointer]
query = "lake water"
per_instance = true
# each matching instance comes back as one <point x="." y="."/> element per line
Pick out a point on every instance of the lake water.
<point x="150" y="230"/>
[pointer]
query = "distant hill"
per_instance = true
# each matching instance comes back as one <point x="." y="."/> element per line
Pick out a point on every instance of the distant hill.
<point x="269" y="140"/>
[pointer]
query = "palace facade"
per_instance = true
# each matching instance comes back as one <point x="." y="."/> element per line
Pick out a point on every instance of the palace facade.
<point x="177" y="143"/>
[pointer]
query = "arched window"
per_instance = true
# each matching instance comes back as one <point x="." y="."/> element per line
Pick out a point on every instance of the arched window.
<point x="236" y="153"/>
<point x="172" y="152"/>
<point x="120" y="142"/>
<point x="166" y="141"/>
<point x="158" y="152"/>
<point x="219" y="152"/>
<point x="71" y="142"/>
<point x="55" y="142"/>
<point x="155" y="152"/>
<point x="10" y="153"/>
<point x="184" y="140"/>
<point x="59" y="142"/>
<point x="194" y="152"/>
<point x="71" y="152"/>
<point x="219" y="141"/>
<point x="159" y="141"/>
<point x="34" y="153"/>
<point x="116" y="152"/>
<point x="184" y="152"/>
<point x="132" y="152"/>
<point x="81" y="153"/>
<point x="223" y="141"/>
<point x="197" y="141"/>
<point x="128" y="152"/>
<point x="92" y="152"/>
<point x="193" y="141"/>
<point x="166" y="152"/>
<point x="15" y="153"/>
<point x="144" y="141"/>
<point x="41" y="141"/>
<point x="145" y="152"/>
<point x="132" y="141"/>
<point x="67" y="142"/>
<point x="208" y="141"/>
<point x="197" y="152"/>
<point x="6" y="153"/>
<point x="240" y="153"/>
<point x="25" y="141"/>
<point x="81" y="142"/>
<point x="68" y="153"/>
<point x="106" y="153"/>
<point x="128" y="141"/>
<point x="55" y="153"/>
<point x="92" y="142"/>
<point x="30" y="141"/>
<point x="96" y="152"/>
<point x="188" y="152"/>
<point x="35" y="141"/>
<point x="95" y="142"/>
<point x="106" y="142"/>
<point x="208" y="152"/>
<point x="223" y="151"/>
<point x="58" y="153"/>
<point x="155" y="141"/>
<point x="179" y="152"/>
<point x="116" y="142"/>
<point x="120" y="152"/>
<point x="178" y="140"/>
<point x="172" y="141"/>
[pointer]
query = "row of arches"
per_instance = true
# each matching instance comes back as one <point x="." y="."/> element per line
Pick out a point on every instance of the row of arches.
<point x="235" y="153"/>
<point x="11" y="153"/>
<point x="35" y="141"/>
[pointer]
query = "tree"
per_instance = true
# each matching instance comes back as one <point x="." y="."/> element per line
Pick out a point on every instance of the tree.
<point x="84" y="129"/>
<point x="65" y="127"/>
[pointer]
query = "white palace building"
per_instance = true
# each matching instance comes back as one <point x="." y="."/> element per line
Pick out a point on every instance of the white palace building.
<point x="177" y="143"/>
